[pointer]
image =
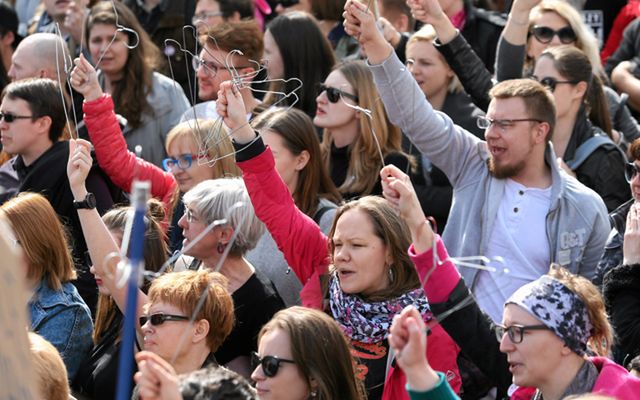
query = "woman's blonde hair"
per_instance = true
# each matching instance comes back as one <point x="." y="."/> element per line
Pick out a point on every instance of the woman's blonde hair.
<point x="585" y="41"/>
<point x="601" y="334"/>
<point x="42" y="238"/>
<point x="212" y="140"/>
<point x="50" y="371"/>
<point x="365" y="162"/>
<point x="428" y="34"/>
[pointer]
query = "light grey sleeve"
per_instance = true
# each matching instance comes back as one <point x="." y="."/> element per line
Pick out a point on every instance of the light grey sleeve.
<point x="594" y="247"/>
<point x="449" y="147"/>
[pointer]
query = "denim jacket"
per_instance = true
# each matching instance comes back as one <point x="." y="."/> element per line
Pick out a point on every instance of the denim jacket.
<point x="62" y="318"/>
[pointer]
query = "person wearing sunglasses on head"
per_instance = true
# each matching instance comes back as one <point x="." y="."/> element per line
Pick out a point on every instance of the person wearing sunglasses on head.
<point x="191" y="146"/>
<point x="354" y="144"/>
<point x="582" y="118"/>
<point x="293" y="361"/>
<point x="535" y="25"/>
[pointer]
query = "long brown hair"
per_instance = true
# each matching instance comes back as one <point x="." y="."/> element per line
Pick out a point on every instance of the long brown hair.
<point x="130" y="92"/>
<point x="298" y="133"/>
<point x="364" y="163"/>
<point x="574" y="66"/>
<point x="320" y="351"/>
<point x="42" y="238"/>
<point x="394" y="233"/>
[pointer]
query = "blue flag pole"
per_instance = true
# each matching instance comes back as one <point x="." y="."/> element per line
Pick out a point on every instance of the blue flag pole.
<point x="136" y="262"/>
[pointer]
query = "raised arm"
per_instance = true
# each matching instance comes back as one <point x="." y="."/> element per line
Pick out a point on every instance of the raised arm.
<point x="511" y="53"/>
<point x="433" y="133"/>
<point x="298" y="236"/>
<point x="121" y="165"/>
<point x="100" y="243"/>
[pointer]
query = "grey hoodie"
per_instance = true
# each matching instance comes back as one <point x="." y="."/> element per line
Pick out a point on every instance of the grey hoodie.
<point x="577" y="224"/>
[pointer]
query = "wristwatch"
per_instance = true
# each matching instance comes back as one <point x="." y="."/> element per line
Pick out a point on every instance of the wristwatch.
<point x="89" y="203"/>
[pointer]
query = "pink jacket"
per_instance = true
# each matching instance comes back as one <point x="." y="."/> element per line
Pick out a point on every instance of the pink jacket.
<point x="614" y="381"/>
<point x="121" y="165"/>
<point x="305" y="249"/>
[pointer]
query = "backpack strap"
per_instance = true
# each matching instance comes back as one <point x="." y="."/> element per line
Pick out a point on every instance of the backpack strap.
<point x="318" y="215"/>
<point x="589" y="146"/>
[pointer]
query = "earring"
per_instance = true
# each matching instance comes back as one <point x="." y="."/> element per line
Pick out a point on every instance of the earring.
<point x="313" y="394"/>
<point x="390" y="274"/>
<point x="220" y="248"/>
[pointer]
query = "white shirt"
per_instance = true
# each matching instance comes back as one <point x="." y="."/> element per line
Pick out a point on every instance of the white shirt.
<point x="519" y="237"/>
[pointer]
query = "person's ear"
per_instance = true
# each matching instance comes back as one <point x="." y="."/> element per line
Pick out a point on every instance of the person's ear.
<point x="541" y="132"/>
<point x="580" y="89"/>
<point x="8" y="38"/>
<point x="200" y="330"/>
<point x="235" y="17"/>
<point x="225" y="233"/>
<point x="44" y="124"/>
<point x="302" y="160"/>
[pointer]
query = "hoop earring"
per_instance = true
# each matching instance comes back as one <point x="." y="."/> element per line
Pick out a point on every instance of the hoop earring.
<point x="220" y="248"/>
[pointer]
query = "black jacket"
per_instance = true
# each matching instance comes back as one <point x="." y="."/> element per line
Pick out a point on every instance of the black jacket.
<point x="621" y="290"/>
<point x="482" y="30"/>
<point x="474" y="332"/>
<point x="603" y="170"/>
<point x="613" y="255"/>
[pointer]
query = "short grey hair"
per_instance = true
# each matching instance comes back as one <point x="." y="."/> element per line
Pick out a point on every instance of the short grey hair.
<point x="214" y="199"/>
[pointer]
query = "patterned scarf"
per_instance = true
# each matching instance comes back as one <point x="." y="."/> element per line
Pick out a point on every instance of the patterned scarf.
<point x="370" y="322"/>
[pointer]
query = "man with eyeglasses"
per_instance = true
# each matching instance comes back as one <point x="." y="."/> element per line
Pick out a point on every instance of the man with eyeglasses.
<point x="511" y="202"/>
<point x="32" y="121"/>
<point x="230" y="51"/>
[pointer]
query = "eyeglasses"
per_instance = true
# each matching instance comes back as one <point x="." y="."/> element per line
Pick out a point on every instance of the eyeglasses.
<point x="502" y="124"/>
<point x="630" y="171"/>
<point x="545" y="35"/>
<point x="184" y="161"/>
<point x="516" y="332"/>
<point x="204" y="15"/>
<point x="161" y="318"/>
<point x="333" y="94"/>
<point x="9" y="117"/>
<point x="550" y="82"/>
<point x="189" y="215"/>
<point x="211" y="68"/>
<point x="270" y="364"/>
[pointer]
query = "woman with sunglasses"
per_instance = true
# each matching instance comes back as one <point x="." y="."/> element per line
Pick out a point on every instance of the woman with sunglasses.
<point x="97" y="375"/>
<point x="194" y="149"/>
<point x="296" y="53"/>
<point x="613" y="251"/>
<point x="535" y="25"/>
<point x="150" y="102"/>
<point x="357" y="138"/>
<point x="292" y="362"/>
<point x="292" y="138"/>
<point x="567" y="73"/>
<point x="367" y="275"/>
<point x="548" y="328"/>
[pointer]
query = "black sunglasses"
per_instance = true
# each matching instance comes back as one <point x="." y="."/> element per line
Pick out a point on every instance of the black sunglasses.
<point x="270" y="364"/>
<point x="334" y="94"/>
<point x="545" y="35"/>
<point x="160" y="318"/>
<point x="9" y="117"/>
<point x="630" y="171"/>
<point x="550" y="82"/>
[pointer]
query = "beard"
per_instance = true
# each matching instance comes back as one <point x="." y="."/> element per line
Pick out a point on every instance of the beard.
<point x="505" y="171"/>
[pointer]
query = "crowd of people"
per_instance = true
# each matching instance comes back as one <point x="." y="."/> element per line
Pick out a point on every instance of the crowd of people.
<point x="303" y="157"/>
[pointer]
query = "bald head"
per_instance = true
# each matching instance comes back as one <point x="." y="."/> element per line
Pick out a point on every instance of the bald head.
<point x="35" y="57"/>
